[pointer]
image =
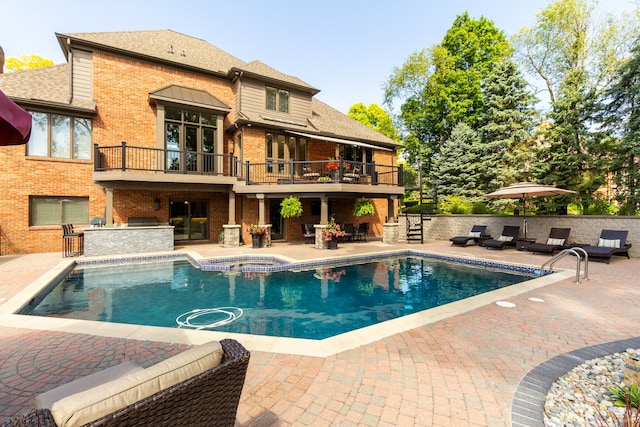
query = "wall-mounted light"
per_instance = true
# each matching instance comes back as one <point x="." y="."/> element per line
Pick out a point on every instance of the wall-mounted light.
<point x="156" y="204"/>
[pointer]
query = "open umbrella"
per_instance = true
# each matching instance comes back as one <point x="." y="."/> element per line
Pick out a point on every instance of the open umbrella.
<point x="523" y="190"/>
<point x="15" y="123"/>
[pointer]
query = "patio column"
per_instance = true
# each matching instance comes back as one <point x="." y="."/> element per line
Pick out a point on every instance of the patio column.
<point x="324" y="210"/>
<point x="232" y="208"/>
<point x="108" y="215"/>
<point x="261" y="208"/>
<point x="391" y="211"/>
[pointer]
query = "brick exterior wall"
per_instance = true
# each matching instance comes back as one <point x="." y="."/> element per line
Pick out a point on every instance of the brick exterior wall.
<point x="121" y="88"/>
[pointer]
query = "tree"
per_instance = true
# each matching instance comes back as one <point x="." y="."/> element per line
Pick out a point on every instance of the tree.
<point x="507" y="127"/>
<point x="438" y="88"/>
<point x="622" y="116"/>
<point x="26" y="62"/>
<point x="456" y="171"/>
<point x="376" y="118"/>
<point x="575" y="58"/>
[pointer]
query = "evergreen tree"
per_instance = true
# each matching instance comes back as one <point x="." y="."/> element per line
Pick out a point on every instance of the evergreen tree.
<point x="456" y="171"/>
<point x="507" y="128"/>
<point x="622" y="116"/>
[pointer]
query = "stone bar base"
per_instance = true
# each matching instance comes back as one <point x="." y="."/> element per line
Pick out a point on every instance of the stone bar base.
<point x="127" y="240"/>
<point x="231" y="235"/>
<point x="391" y="232"/>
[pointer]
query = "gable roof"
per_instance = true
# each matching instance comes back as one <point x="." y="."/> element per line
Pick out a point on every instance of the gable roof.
<point x="158" y="45"/>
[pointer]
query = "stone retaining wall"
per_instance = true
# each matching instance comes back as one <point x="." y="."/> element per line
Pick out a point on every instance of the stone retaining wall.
<point x="584" y="229"/>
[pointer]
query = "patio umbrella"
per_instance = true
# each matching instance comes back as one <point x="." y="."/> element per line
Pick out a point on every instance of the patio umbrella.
<point x="523" y="190"/>
<point x="15" y="123"/>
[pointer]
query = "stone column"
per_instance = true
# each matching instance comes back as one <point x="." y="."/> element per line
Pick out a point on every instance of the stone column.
<point x="232" y="209"/>
<point x="108" y="215"/>
<point x="391" y="232"/>
<point x="261" y="208"/>
<point x="231" y="235"/>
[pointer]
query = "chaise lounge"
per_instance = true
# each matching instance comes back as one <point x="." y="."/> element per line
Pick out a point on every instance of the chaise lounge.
<point x="198" y="387"/>
<point x="507" y="238"/>
<point x="611" y="242"/>
<point x="477" y="231"/>
<point x="557" y="240"/>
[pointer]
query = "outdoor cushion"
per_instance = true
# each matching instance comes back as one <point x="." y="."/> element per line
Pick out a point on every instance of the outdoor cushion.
<point x="607" y="243"/>
<point x="505" y="238"/>
<point x="475" y="234"/>
<point x="551" y="241"/>
<point x="48" y="398"/>
<point x="89" y="405"/>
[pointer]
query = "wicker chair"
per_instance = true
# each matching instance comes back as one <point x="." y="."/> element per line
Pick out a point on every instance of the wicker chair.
<point x="207" y="399"/>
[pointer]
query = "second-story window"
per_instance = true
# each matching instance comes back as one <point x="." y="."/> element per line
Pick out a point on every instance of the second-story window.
<point x="277" y="99"/>
<point x="60" y="136"/>
<point x="189" y="139"/>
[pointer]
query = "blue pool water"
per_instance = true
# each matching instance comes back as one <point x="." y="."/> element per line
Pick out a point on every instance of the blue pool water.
<point x="315" y="303"/>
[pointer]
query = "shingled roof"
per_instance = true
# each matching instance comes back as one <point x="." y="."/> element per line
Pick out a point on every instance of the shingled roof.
<point x="164" y="45"/>
<point x="46" y="85"/>
<point x="261" y="69"/>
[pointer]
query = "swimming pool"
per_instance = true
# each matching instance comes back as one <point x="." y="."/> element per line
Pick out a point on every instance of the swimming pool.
<point x="265" y="297"/>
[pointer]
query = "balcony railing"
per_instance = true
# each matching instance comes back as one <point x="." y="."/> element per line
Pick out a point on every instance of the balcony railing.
<point x="128" y="158"/>
<point x="141" y="159"/>
<point x="322" y="171"/>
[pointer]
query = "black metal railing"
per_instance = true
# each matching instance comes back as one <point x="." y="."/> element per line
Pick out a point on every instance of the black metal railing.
<point x="124" y="158"/>
<point x="129" y="158"/>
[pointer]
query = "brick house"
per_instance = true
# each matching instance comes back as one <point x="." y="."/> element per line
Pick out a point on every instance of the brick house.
<point x="164" y="127"/>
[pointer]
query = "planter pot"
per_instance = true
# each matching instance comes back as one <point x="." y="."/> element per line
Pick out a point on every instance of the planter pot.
<point x="256" y="240"/>
<point x="332" y="244"/>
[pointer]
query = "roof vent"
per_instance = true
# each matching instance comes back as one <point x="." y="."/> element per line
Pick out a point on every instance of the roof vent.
<point x="170" y="49"/>
<point x="184" y="53"/>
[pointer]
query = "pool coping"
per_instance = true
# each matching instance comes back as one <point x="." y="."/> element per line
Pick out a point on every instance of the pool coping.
<point x="307" y="347"/>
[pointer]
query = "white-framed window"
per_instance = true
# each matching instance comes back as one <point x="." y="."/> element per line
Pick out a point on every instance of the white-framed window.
<point x="60" y="136"/>
<point x="277" y="99"/>
<point x="58" y="210"/>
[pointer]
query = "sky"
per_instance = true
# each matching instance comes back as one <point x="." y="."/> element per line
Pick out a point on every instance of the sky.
<point x="347" y="49"/>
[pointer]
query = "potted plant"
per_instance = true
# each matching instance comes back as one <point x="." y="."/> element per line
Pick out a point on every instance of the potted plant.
<point x="290" y="207"/>
<point x="363" y="207"/>
<point x="331" y="233"/>
<point x="257" y="232"/>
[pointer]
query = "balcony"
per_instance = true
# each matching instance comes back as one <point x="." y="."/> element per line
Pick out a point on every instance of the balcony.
<point x="124" y="163"/>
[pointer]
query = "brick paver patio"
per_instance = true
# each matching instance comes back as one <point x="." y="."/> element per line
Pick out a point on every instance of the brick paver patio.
<point x="460" y="371"/>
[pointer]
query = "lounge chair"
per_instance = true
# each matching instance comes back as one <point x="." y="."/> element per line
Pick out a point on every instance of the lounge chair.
<point x="507" y="238"/>
<point x="360" y="233"/>
<point x="477" y="231"/>
<point x="557" y="240"/>
<point x="611" y="242"/>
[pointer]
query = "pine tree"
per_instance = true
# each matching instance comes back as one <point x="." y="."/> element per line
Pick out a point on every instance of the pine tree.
<point x="507" y="127"/>
<point x="457" y="169"/>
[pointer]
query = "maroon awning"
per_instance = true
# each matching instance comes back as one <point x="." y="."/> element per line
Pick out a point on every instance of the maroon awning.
<point x="15" y="123"/>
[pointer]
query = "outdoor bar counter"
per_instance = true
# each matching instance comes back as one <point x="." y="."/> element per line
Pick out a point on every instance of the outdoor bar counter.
<point x="127" y="240"/>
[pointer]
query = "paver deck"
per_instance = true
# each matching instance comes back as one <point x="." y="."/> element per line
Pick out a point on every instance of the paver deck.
<point x="459" y="371"/>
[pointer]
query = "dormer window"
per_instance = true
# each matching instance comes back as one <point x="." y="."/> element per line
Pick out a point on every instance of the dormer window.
<point x="277" y="99"/>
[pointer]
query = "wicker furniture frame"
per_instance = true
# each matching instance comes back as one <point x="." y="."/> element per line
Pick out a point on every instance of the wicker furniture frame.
<point x="207" y="399"/>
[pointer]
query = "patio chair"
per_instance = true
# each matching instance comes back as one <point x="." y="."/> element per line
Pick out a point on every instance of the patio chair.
<point x="557" y="240"/>
<point x="309" y="173"/>
<point x="507" y="238"/>
<point x="611" y="242"/>
<point x="309" y="233"/>
<point x="360" y="233"/>
<point x="477" y="231"/>
<point x="348" y="232"/>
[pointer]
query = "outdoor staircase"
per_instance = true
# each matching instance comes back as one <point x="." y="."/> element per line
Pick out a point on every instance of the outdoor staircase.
<point x="415" y="222"/>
